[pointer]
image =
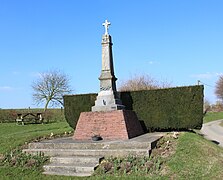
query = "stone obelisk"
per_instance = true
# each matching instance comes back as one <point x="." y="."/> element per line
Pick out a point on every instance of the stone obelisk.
<point x="107" y="98"/>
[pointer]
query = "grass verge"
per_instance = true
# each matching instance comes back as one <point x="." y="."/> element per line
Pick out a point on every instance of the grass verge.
<point x="188" y="157"/>
<point x="212" y="116"/>
<point x="196" y="158"/>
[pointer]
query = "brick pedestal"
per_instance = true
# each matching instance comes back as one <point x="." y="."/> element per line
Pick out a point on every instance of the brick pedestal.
<point x="110" y="125"/>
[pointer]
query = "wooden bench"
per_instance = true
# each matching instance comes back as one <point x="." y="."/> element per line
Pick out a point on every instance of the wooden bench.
<point x="36" y="116"/>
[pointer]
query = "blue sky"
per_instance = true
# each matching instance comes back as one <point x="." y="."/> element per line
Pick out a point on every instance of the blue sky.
<point x="179" y="41"/>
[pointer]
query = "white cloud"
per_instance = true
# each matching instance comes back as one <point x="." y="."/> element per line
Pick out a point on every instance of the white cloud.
<point x="153" y="62"/>
<point x="219" y="74"/>
<point x="35" y="74"/>
<point x="5" y="88"/>
<point x="15" y="72"/>
<point x="208" y="75"/>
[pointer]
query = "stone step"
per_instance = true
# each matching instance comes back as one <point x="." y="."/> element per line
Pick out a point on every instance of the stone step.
<point x="92" y="152"/>
<point x="70" y="157"/>
<point x="111" y="145"/>
<point x="67" y="174"/>
<point x="70" y="168"/>
<point x="76" y="160"/>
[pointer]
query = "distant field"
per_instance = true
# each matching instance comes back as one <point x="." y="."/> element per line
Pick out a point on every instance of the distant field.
<point x="212" y="116"/>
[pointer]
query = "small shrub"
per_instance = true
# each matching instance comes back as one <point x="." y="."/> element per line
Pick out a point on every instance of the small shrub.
<point x="141" y="165"/>
<point x="18" y="159"/>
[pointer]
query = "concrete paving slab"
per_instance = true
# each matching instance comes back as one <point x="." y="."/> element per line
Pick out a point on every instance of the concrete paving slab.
<point x="143" y="138"/>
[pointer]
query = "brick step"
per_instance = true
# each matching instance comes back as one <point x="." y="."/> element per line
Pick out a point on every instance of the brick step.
<point x="83" y="152"/>
<point x="76" y="159"/>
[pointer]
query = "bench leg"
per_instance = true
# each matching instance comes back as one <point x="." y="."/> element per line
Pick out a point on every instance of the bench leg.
<point x="19" y="121"/>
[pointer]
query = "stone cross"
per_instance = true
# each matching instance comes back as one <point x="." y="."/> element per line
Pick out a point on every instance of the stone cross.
<point x="106" y="25"/>
<point x="108" y="98"/>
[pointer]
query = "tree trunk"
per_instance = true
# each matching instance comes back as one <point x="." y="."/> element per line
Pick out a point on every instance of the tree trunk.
<point x="46" y="105"/>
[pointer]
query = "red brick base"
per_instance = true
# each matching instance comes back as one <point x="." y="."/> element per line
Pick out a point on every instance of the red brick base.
<point x="111" y="125"/>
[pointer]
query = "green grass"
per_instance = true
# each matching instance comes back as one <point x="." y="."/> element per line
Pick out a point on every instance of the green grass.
<point x="196" y="158"/>
<point x="212" y="116"/>
<point x="13" y="135"/>
<point x="19" y="173"/>
<point x="191" y="157"/>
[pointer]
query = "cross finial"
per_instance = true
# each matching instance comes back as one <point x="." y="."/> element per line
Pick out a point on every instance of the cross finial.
<point x="106" y="25"/>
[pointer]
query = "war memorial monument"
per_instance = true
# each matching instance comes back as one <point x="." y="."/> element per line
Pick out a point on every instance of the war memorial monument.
<point x="108" y="118"/>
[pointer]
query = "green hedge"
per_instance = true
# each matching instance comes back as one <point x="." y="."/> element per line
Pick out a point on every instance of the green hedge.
<point x="173" y="108"/>
<point x="162" y="109"/>
<point x="8" y="115"/>
<point x="75" y="104"/>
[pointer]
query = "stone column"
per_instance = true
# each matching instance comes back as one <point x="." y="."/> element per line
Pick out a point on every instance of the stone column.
<point x="107" y="98"/>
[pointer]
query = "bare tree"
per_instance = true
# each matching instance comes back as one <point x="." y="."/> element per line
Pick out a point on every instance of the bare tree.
<point x="219" y="88"/>
<point x="207" y="106"/>
<point x="217" y="107"/>
<point x="50" y="87"/>
<point x="142" y="82"/>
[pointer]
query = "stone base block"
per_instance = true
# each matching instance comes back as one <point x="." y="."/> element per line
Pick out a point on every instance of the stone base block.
<point x="106" y="101"/>
<point x="111" y="125"/>
<point x="107" y="108"/>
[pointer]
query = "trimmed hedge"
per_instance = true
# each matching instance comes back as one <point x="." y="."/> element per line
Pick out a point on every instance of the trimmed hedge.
<point x="161" y="109"/>
<point x="173" y="108"/>
<point x="75" y="104"/>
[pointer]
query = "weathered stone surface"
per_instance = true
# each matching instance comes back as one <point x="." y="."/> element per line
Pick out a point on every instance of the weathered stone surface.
<point x="68" y="147"/>
<point x="107" y="99"/>
<point x="78" y="158"/>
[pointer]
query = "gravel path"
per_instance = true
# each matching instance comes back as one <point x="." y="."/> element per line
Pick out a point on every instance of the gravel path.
<point x="213" y="131"/>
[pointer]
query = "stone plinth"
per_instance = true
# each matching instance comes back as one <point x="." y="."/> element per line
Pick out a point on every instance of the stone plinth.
<point x="111" y="125"/>
<point x="106" y="101"/>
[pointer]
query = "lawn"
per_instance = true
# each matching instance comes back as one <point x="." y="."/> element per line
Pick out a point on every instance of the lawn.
<point x="13" y="135"/>
<point x="212" y="116"/>
<point x="196" y="158"/>
<point x="190" y="156"/>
